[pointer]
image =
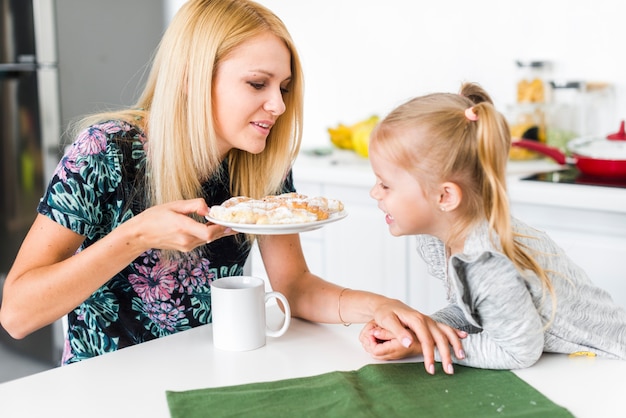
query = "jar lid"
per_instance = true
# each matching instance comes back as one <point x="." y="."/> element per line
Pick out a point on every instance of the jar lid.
<point x="566" y="84"/>
<point x="533" y="64"/>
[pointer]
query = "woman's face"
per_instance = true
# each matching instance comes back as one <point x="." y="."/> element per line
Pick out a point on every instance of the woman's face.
<point x="407" y="209"/>
<point x="248" y="93"/>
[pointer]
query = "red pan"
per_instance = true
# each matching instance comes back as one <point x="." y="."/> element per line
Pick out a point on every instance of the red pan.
<point x="593" y="156"/>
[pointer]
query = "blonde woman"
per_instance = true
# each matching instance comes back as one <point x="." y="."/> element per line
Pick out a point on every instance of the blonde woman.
<point x="120" y="246"/>
<point x="440" y="162"/>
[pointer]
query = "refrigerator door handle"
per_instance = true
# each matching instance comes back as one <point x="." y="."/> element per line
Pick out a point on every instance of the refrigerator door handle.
<point x="45" y="31"/>
<point x="17" y="67"/>
<point x="50" y="119"/>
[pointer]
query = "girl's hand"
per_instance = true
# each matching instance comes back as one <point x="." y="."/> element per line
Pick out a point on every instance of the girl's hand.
<point x="383" y="346"/>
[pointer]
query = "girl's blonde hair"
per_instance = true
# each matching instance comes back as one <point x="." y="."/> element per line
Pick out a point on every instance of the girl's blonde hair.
<point x="433" y="138"/>
<point x="176" y="109"/>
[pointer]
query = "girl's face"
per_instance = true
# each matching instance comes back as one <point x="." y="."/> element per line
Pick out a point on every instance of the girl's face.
<point x="408" y="210"/>
<point x="248" y="93"/>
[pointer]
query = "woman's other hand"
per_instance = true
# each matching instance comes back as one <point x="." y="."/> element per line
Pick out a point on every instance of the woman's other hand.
<point x="399" y="331"/>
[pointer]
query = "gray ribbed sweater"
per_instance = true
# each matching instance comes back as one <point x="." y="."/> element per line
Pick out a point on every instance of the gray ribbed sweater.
<point x="506" y="312"/>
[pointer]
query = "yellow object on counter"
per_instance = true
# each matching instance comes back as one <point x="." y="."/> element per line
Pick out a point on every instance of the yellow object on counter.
<point x="522" y="154"/>
<point x="341" y="136"/>
<point x="354" y="137"/>
<point x="526" y="121"/>
<point x="582" y="354"/>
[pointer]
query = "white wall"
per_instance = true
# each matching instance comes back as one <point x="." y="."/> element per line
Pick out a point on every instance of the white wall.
<point x="366" y="56"/>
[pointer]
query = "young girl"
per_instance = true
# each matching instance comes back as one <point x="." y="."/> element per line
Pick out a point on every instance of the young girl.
<point x="120" y="247"/>
<point x="440" y="163"/>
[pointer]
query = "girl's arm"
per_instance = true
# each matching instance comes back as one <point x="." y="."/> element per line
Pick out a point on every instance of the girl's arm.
<point x="453" y="316"/>
<point x="314" y="299"/>
<point x="494" y="298"/>
<point x="495" y="308"/>
<point x="48" y="280"/>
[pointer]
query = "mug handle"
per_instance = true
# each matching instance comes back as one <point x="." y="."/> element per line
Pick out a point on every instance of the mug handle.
<point x="277" y="333"/>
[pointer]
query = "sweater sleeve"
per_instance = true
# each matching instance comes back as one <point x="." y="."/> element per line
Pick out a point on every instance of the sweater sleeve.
<point x="492" y="298"/>
<point x="453" y="316"/>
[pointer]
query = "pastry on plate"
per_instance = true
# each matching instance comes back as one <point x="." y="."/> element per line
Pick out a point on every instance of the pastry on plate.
<point x="287" y="208"/>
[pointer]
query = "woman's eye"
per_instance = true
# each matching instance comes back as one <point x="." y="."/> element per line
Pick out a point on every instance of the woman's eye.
<point x="256" y="86"/>
<point x="261" y="85"/>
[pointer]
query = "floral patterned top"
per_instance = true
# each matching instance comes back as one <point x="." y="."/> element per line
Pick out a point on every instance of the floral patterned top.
<point x="97" y="186"/>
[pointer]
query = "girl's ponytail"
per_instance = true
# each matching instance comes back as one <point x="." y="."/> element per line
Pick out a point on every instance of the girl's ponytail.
<point x="493" y="143"/>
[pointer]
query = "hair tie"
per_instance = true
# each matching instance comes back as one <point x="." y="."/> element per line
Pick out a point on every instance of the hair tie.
<point x="470" y="115"/>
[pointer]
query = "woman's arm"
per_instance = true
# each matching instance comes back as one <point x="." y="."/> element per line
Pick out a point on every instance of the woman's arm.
<point x="317" y="300"/>
<point x="48" y="280"/>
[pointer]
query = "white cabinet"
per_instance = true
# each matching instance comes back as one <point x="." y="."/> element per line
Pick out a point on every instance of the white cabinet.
<point x="360" y="253"/>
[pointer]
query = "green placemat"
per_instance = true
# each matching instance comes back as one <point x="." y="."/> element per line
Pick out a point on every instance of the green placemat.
<point x="376" y="390"/>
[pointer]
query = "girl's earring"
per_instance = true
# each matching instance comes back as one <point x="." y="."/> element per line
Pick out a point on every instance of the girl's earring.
<point x="442" y="208"/>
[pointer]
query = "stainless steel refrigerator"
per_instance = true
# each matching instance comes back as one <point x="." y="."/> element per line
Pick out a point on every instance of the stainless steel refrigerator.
<point x="59" y="60"/>
<point x="29" y="134"/>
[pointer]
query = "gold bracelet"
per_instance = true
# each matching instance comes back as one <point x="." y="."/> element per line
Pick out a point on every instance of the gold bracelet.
<point x="346" y="324"/>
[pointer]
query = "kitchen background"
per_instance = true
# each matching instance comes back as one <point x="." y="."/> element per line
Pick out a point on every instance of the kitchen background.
<point x="364" y="57"/>
<point x="361" y="57"/>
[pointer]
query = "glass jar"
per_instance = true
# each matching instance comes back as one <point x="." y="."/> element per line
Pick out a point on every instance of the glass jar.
<point x="565" y="119"/>
<point x="600" y="116"/>
<point x="531" y="84"/>
<point x="527" y="118"/>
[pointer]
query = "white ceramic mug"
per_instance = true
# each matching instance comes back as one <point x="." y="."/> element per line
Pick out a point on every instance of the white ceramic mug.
<point x="238" y="306"/>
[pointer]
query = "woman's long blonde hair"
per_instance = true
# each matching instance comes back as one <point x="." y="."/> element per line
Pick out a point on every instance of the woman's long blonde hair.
<point x="431" y="137"/>
<point x="176" y="109"/>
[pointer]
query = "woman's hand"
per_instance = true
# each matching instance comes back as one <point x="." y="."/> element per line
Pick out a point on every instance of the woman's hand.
<point x="399" y="331"/>
<point x="168" y="226"/>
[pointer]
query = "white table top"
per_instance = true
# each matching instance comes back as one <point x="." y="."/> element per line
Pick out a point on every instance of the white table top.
<point x="133" y="381"/>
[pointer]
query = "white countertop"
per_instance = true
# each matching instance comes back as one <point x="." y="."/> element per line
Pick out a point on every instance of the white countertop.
<point x="132" y="382"/>
<point x="348" y="169"/>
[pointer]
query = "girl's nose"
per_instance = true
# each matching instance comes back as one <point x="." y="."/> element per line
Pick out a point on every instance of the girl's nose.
<point x="373" y="192"/>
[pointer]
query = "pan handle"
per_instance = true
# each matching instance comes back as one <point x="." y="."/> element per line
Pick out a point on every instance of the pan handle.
<point x="541" y="148"/>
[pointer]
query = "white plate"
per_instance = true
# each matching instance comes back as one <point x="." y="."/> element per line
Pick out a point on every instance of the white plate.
<point x="279" y="229"/>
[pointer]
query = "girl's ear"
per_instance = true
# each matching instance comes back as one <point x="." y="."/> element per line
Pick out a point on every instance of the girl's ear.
<point x="450" y="196"/>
